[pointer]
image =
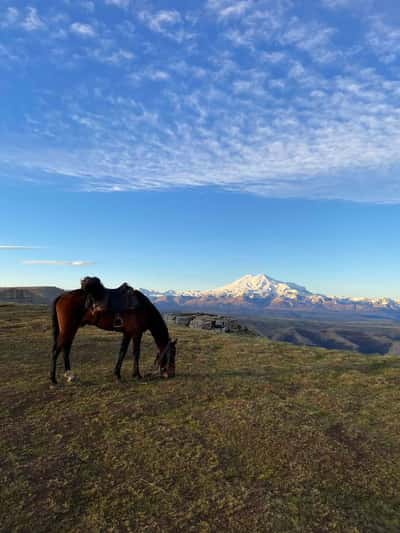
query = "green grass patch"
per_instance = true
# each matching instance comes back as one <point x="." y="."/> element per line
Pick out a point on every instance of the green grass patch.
<point x="250" y="436"/>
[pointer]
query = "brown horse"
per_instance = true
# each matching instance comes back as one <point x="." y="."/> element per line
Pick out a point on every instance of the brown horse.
<point x="70" y="312"/>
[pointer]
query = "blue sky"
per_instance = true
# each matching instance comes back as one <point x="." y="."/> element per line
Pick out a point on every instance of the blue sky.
<point x="184" y="144"/>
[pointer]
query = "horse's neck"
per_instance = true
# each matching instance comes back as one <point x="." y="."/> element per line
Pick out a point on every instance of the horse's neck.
<point x="160" y="339"/>
<point x="159" y="332"/>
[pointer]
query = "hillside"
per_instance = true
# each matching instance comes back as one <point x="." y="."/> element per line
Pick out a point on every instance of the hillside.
<point x="366" y="336"/>
<point x="28" y="295"/>
<point x="251" y="435"/>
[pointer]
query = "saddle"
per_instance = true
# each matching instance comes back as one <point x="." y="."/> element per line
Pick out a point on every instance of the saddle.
<point x="100" y="299"/>
<point x="117" y="300"/>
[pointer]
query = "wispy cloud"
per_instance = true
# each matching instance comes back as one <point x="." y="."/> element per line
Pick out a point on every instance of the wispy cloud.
<point x="335" y="3"/>
<point x="111" y="57"/>
<point x="259" y="98"/>
<point x="161" y="20"/>
<point x="84" y="30"/>
<point x="229" y="8"/>
<point x="168" y="23"/>
<point x="9" y="17"/>
<point x="57" y="263"/>
<point x="32" y="21"/>
<point x="118" y="3"/>
<point x="18" y="247"/>
<point x="384" y="39"/>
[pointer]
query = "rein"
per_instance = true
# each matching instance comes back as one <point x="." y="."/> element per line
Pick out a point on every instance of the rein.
<point x="160" y="356"/>
<point x="158" y="359"/>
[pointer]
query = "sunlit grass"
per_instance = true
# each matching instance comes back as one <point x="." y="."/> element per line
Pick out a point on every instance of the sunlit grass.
<point x="250" y="436"/>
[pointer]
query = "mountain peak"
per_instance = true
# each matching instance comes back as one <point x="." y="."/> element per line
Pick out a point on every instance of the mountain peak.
<point x="258" y="285"/>
<point x="251" y="282"/>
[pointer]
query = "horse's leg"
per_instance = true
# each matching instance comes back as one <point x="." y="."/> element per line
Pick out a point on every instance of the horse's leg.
<point x="136" y="356"/>
<point x="122" y="352"/>
<point x="56" y="350"/>
<point x="66" y="351"/>
<point x="63" y="344"/>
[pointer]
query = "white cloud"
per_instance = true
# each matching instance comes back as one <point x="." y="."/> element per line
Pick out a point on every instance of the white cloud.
<point x="273" y="57"/>
<point x="118" y="3"/>
<point x="18" y="247"/>
<point x="312" y="38"/>
<point x="115" y="57"/>
<point x="153" y="74"/>
<point x="384" y="39"/>
<point x="159" y="21"/>
<point x="166" y="22"/>
<point x="10" y="17"/>
<point x="159" y="75"/>
<point x="324" y="151"/>
<point x="57" y="263"/>
<point x="226" y="8"/>
<point x="32" y="21"/>
<point x="85" y="30"/>
<point x="333" y="4"/>
<point x="260" y="99"/>
<point x="7" y="56"/>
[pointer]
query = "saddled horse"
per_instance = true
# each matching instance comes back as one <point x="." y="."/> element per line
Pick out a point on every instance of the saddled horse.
<point x="70" y="312"/>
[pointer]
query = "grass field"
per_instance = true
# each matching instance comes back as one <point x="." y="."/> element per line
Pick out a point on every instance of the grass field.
<point x="250" y="436"/>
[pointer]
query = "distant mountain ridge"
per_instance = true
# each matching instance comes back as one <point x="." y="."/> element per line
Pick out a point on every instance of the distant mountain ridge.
<point x="29" y="295"/>
<point x="250" y="295"/>
<point x="260" y="294"/>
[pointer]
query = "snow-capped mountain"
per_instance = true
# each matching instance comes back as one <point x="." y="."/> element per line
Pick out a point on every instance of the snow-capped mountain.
<point x="261" y="294"/>
<point x="260" y="286"/>
<point x="252" y="295"/>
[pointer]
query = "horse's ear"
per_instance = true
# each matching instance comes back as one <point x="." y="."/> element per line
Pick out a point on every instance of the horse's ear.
<point x="174" y="341"/>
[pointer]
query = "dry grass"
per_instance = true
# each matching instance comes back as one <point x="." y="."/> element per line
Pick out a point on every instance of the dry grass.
<point x="250" y="436"/>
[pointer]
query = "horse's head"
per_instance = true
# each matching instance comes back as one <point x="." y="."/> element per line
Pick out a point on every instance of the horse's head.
<point x="166" y="360"/>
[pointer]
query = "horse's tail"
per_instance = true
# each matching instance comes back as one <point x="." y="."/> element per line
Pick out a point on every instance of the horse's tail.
<point x="54" y="320"/>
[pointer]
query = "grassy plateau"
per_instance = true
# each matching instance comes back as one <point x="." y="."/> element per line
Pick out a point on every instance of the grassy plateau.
<point x="251" y="435"/>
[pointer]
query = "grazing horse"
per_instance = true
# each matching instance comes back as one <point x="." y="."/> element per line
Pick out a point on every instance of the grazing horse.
<point x="70" y="312"/>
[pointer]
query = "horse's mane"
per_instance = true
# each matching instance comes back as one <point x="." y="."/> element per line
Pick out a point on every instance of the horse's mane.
<point x="92" y="286"/>
<point x="159" y="322"/>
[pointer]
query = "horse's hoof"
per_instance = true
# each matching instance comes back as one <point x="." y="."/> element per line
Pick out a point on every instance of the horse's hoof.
<point x="165" y="375"/>
<point x="69" y="376"/>
<point x="117" y="379"/>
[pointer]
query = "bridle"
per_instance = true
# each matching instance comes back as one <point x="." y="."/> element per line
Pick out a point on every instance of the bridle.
<point x="160" y="356"/>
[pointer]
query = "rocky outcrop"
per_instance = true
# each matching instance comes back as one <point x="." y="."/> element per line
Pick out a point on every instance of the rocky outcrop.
<point x="209" y="322"/>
